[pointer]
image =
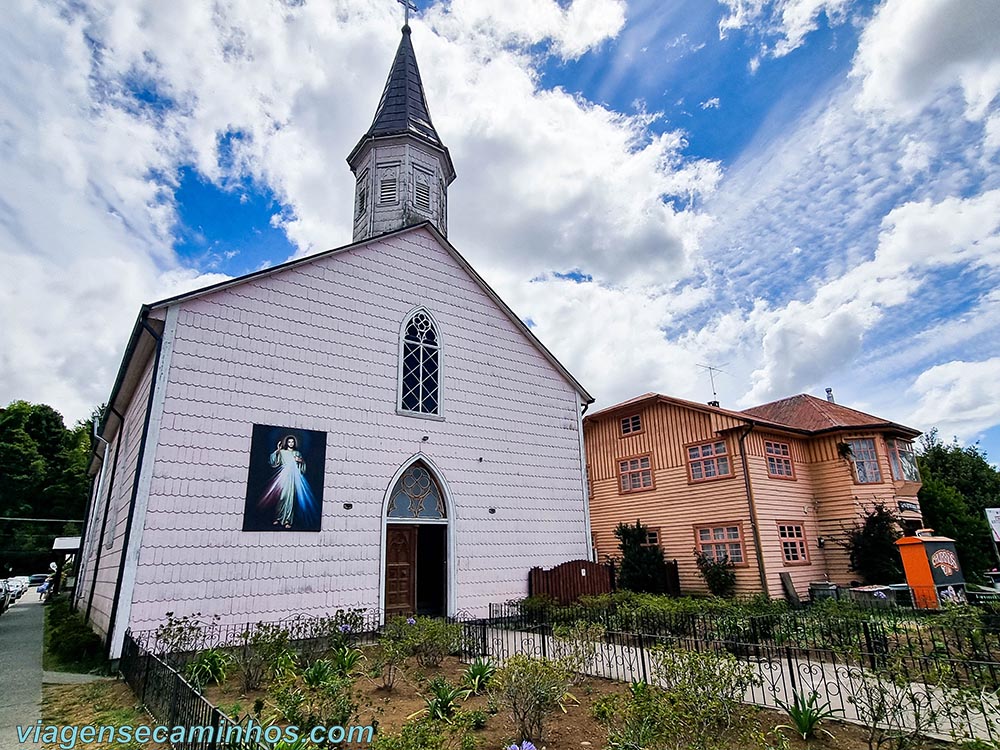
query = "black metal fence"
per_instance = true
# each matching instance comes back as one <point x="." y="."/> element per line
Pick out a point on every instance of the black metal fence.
<point x="174" y="703"/>
<point x="878" y="667"/>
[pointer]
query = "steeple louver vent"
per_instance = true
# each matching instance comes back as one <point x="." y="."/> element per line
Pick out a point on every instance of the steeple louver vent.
<point x="388" y="191"/>
<point x="422" y="195"/>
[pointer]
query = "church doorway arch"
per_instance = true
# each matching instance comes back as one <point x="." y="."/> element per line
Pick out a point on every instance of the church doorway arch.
<point x="417" y="543"/>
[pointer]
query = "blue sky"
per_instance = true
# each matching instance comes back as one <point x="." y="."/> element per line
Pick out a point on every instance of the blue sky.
<point x="805" y="193"/>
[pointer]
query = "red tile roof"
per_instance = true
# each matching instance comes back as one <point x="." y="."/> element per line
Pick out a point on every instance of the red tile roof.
<point x="813" y="414"/>
<point x="801" y="413"/>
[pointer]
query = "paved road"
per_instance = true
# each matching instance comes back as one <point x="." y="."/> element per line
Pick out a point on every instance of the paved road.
<point x="20" y="667"/>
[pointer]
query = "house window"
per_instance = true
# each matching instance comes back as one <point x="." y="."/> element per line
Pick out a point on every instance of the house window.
<point x="635" y="474"/>
<point x="708" y="461"/>
<point x="903" y="461"/>
<point x="652" y="538"/>
<point x="419" y="389"/>
<point x="631" y="424"/>
<point x="721" y="543"/>
<point x="793" y="544"/>
<point x="865" y="461"/>
<point x="779" y="461"/>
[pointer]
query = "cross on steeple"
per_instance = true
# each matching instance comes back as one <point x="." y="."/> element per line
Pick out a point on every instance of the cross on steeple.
<point x="408" y="5"/>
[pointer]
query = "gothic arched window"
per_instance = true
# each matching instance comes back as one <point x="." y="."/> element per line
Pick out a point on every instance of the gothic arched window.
<point x="420" y="369"/>
<point x="416" y="495"/>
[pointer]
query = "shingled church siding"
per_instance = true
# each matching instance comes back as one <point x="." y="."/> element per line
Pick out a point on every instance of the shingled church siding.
<point x="121" y="496"/>
<point x="315" y="347"/>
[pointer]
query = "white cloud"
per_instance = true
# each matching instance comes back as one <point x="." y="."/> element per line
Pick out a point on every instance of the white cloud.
<point x="959" y="397"/>
<point x="712" y="103"/>
<point x="573" y="29"/>
<point x="87" y="172"/>
<point x="805" y="340"/>
<point x="912" y="52"/>
<point x="786" y="22"/>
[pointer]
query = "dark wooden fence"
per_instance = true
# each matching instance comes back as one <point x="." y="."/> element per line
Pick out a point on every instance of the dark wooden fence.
<point x="568" y="582"/>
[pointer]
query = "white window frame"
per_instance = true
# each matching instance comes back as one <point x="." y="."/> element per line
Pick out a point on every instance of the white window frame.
<point x="439" y="417"/>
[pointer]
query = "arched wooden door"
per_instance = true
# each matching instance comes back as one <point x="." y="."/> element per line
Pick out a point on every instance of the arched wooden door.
<point x="416" y="545"/>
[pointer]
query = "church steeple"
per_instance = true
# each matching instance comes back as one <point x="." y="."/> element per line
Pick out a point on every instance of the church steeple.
<point x="402" y="168"/>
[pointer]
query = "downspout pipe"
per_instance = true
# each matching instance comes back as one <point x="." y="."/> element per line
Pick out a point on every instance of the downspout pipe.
<point x="94" y="495"/>
<point x="754" y="525"/>
<point x="135" y="481"/>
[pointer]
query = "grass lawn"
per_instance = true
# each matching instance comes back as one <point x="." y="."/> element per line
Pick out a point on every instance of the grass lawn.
<point x="104" y="703"/>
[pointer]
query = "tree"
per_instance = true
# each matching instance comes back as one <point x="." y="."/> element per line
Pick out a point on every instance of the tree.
<point x="959" y="483"/>
<point x="642" y="566"/>
<point x="872" y="547"/>
<point x="947" y="512"/>
<point x="44" y="470"/>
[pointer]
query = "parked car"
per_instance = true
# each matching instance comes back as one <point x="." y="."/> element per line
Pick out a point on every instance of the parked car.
<point x="6" y="596"/>
<point x="17" y="586"/>
<point x="37" y="579"/>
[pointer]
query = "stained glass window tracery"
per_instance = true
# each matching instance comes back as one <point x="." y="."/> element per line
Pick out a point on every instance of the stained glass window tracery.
<point x="416" y="495"/>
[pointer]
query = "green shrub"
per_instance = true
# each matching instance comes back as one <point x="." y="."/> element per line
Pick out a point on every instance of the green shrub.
<point x="871" y="546"/>
<point x="395" y="646"/>
<point x="719" y="575"/>
<point x="530" y="690"/>
<point x="315" y="637"/>
<point x="327" y="702"/>
<point x="478" y="675"/>
<point x="180" y="635"/>
<point x="698" y="707"/>
<point x="716" y="679"/>
<point x="642" y="567"/>
<point x="264" y="653"/>
<point x="413" y="735"/>
<point x="69" y="639"/>
<point x="474" y="720"/>
<point x="208" y="667"/>
<point x="576" y="647"/>
<point x="432" y="639"/>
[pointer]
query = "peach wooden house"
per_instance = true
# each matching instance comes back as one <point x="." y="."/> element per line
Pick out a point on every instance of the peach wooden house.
<point x="772" y="487"/>
<point x="367" y="427"/>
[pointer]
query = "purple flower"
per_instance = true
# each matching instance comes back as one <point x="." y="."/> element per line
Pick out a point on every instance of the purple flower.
<point x="345" y="628"/>
<point x="411" y="621"/>
<point x="527" y="746"/>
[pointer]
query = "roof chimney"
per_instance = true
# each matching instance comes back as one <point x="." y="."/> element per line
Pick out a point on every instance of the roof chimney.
<point x="829" y="395"/>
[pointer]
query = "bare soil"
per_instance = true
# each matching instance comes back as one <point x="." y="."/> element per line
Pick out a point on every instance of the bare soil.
<point x="573" y="730"/>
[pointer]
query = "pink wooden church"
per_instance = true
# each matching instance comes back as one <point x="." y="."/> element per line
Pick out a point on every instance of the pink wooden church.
<point x="367" y="427"/>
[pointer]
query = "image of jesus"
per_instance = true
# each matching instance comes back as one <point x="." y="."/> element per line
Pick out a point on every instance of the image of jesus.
<point x="288" y="491"/>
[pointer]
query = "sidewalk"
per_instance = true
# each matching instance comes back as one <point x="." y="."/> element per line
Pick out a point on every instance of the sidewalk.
<point x="20" y="667"/>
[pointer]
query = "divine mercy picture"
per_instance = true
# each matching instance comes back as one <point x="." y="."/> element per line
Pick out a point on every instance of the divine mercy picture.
<point x="285" y="480"/>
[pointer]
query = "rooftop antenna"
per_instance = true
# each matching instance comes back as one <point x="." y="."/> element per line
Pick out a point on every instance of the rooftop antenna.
<point x="711" y="376"/>
<point x="408" y="5"/>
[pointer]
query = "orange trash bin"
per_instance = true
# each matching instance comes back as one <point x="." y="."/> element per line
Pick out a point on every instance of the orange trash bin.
<point x="932" y="570"/>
